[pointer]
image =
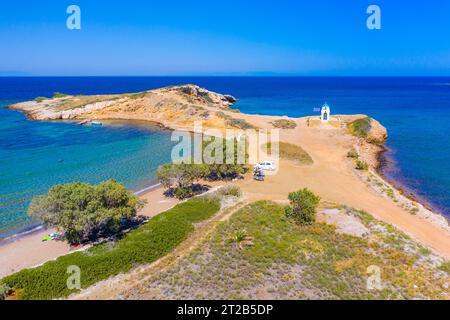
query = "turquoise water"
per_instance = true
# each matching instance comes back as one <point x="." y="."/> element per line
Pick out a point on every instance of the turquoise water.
<point x="36" y="155"/>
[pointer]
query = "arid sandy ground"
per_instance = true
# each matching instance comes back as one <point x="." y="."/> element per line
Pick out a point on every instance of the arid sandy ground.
<point x="332" y="176"/>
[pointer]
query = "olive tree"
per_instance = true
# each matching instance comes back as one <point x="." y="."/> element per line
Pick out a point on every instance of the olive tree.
<point x="303" y="204"/>
<point x="82" y="211"/>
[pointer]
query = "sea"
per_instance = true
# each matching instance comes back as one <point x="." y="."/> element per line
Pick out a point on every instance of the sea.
<point x="34" y="155"/>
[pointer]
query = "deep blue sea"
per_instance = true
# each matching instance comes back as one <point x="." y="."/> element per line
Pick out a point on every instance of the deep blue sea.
<point x="36" y="155"/>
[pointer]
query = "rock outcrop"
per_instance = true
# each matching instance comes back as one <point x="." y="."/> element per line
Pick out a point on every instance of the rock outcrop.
<point x="173" y="107"/>
<point x="377" y="134"/>
<point x="367" y="128"/>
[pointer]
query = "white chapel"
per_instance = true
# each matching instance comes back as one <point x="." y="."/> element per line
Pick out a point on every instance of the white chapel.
<point x="325" y="113"/>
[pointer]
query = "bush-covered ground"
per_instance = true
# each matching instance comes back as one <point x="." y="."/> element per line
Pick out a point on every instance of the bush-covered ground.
<point x="292" y="152"/>
<point x="146" y="244"/>
<point x="284" y="124"/>
<point x="260" y="254"/>
<point x="235" y="123"/>
<point x="360" y="127"/>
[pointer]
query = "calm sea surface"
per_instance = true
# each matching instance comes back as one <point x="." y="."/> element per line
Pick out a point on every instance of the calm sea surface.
<point x="36" y="155"/>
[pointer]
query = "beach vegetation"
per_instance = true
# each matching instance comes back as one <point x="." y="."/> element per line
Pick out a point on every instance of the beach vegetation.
<point x="80" y="101"/>
<point x="227" y="168"/>
<point x="352" y="153"/>
<point x="181" y="175"/>
<point x="59" y="95"/>
<point x="239" y="124"/>
<point x="237" y="148"/>
<point x="445" y="267"/>
<point x="233" y="122"/>
<point x="181" y="179"/>
<point x="291" y="151"/>
<point x="360" y="127"/>
<point x="362" y="165"/>
<point x="286" y="260"/>
<point x="284" y="124"/>
<point x="40" y="99"/>
<point x="241" y="239"/>
<point x="183" y="192"/>
<point x="230" y="191"/>
<point x="302" y="208"/>
<point x="390" y="193"/>
<point x="84" y="212"/>
<point x="4" y="291"/>
<point x="145" y="244"/>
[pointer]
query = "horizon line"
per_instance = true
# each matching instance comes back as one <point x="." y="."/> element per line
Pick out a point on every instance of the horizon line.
<point x="225" y="75"/>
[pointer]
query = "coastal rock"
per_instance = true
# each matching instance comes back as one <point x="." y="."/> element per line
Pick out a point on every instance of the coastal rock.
<point x="176" y="107"/>
<point x="205" y="96"/>
<point x="377" y="134"/>
<point x="230" y="98"/>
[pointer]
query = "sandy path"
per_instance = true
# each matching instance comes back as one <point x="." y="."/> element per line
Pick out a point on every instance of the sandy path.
<point x="31" y="251"/>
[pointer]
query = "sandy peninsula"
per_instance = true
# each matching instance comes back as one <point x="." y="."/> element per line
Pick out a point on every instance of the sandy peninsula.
<point x="332" y="175"/>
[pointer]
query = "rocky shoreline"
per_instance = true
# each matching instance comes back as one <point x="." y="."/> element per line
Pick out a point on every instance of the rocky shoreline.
<point x="375" y="154"/>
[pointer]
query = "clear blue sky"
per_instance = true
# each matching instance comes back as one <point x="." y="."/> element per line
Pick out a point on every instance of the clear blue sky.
<point x="215" y="37"/>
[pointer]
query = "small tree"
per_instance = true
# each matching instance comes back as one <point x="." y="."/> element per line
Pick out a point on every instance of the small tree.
<point x="303" y="204"/>
<point x="361" y="165"/>
<point x="228" y="168"/>
<point x="59" y="95"/>
<point x="352" y="153"/>
<point x="181" y="177"/>
<point x="83" y="211"/>
<point x="4" y="291"/>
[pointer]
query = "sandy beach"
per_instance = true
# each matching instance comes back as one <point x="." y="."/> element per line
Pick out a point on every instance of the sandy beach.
<point x="31" y="251"/>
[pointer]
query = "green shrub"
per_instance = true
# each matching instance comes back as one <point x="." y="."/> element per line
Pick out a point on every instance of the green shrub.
<point x="233" y="122"/>
<point x="303" y="204"/>
<point x="234" y="191"/>
<point x="83" y="211"/>
<point x="59" y="95"/>
<point x="360" y="127"/>
<point x="40" y="99"/>
<point x="239" y="124"/>
<point x="445" y="267"/>
<point x="361" y="165"/>
<point x="183" y="192"/>
<point x="4" y="291"/>
<point x="353" y="153"/>
<point x="390" y="193"/>
<point x="284" y="124"/>
<point x="156" y="238"/>
<point x="181" y="176"/>
<point x="222" y="115"/>
<point x="290" y="151"/>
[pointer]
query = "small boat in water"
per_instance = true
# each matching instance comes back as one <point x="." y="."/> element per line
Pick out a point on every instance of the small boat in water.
<point x="96" y="124"/>
<point x="84" y="122"/>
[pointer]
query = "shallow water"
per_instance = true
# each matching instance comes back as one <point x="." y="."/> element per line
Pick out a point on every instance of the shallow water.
<point x="36" y="155"/>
